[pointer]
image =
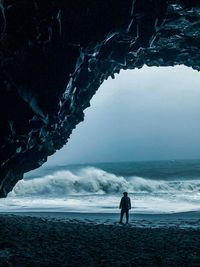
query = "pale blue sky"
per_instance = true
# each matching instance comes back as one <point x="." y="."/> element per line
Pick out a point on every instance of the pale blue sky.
<point x="146" y="114"/>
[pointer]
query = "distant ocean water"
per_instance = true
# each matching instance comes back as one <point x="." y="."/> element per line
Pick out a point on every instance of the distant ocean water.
<point x="154" y="187"/>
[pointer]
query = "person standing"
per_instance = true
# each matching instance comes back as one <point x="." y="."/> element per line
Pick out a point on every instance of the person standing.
<point x="125" y="206"/>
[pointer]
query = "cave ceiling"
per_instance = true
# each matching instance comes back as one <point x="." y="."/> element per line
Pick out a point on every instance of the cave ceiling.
<point x="54" y="55"/>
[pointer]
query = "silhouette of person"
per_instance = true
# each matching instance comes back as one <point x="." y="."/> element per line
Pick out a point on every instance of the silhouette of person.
<point x="125" y="206"/>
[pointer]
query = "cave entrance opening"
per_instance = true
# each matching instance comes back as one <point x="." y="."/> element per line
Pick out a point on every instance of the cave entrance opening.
<point x="135" y="136"/>
<point x="143" y="114"/>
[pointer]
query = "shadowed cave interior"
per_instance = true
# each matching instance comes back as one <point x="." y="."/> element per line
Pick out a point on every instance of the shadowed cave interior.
<point x="55" y="55"/>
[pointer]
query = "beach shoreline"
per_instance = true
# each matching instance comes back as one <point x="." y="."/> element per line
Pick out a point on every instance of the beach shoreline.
<point x="52" y="239"/>
<point x="153" y="220"/>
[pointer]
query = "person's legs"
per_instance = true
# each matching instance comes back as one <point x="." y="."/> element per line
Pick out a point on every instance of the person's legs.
<point x="127" y="215"/>
<point x="121" y="215"/>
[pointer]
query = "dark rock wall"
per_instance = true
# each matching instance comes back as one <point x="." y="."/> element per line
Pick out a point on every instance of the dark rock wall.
<point x="54" y="54"/>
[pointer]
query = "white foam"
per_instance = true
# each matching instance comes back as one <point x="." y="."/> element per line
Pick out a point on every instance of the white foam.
<point x="91" y="180"/>
<point x="94" y="190"/>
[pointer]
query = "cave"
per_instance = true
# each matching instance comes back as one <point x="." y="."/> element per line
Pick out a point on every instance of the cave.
<point x="55" y="54"/>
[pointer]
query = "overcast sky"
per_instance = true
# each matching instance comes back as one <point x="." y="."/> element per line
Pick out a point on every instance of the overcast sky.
<point x="146" y="114"/>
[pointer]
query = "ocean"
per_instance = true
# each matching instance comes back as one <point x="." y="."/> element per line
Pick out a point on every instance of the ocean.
<point x="157" y="187"/>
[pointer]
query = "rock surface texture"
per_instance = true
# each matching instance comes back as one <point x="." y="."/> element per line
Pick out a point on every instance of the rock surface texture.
<point x="54" y="55"/>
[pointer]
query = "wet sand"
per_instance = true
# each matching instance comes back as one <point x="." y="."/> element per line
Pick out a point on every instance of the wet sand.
<point x="181" y="220"/>
<point x="54" y="239"/>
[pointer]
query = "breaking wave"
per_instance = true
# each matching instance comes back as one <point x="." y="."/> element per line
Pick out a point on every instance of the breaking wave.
<point x="91" y="180"/>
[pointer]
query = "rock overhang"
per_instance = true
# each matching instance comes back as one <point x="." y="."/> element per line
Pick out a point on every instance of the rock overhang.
<point x="55" y="54"/>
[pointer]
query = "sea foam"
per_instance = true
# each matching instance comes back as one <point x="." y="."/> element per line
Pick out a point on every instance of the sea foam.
<point x="91" y="180"/>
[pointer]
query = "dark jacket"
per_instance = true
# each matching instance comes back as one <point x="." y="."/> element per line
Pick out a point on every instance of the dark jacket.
<point x="125" y="203"/>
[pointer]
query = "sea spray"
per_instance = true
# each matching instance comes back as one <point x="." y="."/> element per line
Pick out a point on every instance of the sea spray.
<point x="91" y="180"/>
<point x="154" y="187"/>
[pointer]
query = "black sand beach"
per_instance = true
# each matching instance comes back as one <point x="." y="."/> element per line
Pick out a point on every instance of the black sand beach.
<point x="55" y="240"/>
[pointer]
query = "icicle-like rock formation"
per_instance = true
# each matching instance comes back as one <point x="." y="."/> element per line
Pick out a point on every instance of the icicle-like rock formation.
<point x="54" y="54"/>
